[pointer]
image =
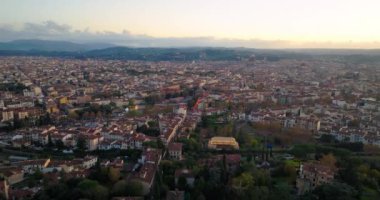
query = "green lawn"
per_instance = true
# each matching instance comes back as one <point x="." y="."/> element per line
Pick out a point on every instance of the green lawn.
<point x="294" y="163"/>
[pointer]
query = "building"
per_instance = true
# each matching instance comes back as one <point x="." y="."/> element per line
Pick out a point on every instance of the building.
<point x="149" y="161"/>
<point x="311" y="175"/>
<point x="89" y="161"/>
<point x="223" y="143"/>
<point x="92" y="141"/>
<point x="185" y="173"/>
<point x="175" y="150"/>
<point x="12" y="175"/>
<point x="7" y="115"/>
<point x="31" y="166"/>
<point x="37" y="91"/>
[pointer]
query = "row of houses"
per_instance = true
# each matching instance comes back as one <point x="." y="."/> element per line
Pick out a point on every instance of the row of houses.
<point x="17" y="171"/>
<point x="345" y="134"/>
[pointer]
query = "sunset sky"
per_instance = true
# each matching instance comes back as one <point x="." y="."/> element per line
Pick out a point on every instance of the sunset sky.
<point x="285" y="23"/>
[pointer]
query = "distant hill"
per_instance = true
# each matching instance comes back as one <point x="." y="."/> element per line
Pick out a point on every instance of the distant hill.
<point x="175" y="54"/>
<point x="47" y="45"/>
<point x="158" y="54"/>
<point x="109" y="51"/>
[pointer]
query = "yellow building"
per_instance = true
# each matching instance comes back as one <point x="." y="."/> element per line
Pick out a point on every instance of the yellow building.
<point x="37" y="91"/>
<point x="63" y="100"/>
<point x="223" y="143"/>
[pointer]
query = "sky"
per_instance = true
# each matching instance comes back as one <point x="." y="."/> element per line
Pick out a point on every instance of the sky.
<point x="230" y="23"/>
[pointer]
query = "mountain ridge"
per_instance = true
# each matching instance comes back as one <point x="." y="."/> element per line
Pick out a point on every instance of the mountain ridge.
<point x="109" y="51"/>
<point x="50" y="45"/>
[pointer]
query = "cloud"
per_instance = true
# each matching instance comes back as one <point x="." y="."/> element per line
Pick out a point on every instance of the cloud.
<point x="50" y="30"/>
<point x="46" y="28"/>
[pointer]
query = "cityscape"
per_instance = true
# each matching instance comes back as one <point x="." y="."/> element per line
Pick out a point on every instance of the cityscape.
<point x="184" y="118"/>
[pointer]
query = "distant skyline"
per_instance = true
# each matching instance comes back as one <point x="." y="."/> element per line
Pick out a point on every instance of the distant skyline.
<point x="177" y="23"/>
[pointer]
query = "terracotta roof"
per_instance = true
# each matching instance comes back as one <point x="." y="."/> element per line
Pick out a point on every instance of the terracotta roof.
<point x="175" y="146"/>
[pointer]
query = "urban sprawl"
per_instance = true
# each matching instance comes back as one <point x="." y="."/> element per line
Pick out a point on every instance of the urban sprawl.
<point x="158" y="127"/>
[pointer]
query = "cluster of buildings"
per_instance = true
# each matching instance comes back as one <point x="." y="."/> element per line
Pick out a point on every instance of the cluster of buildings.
<point x="20" y="169"/>
<point x="103" y="105"/>
<point x="312" y="175"/>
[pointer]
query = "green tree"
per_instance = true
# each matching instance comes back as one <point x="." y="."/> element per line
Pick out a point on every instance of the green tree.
<point x="281" y="191"/>
<point x="92" y="190"/>
<point x="131" y="103"/>
<point x="289" y="170"/>
<point x="301" y="151"/>
<point x="119" y="188"/>
<point x="326" y="138"/>
<point x="50" y="142"/>
<point x="336" y="191"/>
<point x="134" y="188"/>
<point x="59" y="144"/>
<point x="243" y="181"/>
<point x="81" y="144"/>
<point x="151" y="99"/>
<point x="328" y="160"/>
<point x="37" y="175"/>
<point x="113" y="174"/>
<point x="182" y="183"/>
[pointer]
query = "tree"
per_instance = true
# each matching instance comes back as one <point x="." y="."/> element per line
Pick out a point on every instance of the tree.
<point x="59" y="144"/>
<point x="262" y="177"/>
<point x="50" y="142"/>
<point x="348" y="172"/>
<point x="151" y="99"/>
<point x="119" y="188"/>
<point x="37" y="175"/>
<point x="113" y="174"/>
<point x="55" y="191"/>
<point x="134" y="188"/>
<point x="100" y="174"/>
<point x="281" y="191"/>
<point x="254" y="143"/>
<point x="258" y="193"/>
<point x="243" y="181"/>
<point x="131" y="104"/>
<point x="372" y="149"/>
<point x="326" y="138"/>
<point x="113" y="105"/>
<point x="182" y="183"/>
<point x="328" y="160"/>
<point x="17" y="123"/>
<point x="154" y="144"/>
<point x="73" y="115"/>
<point x="336" y="191"/>
<point x="290" y="170"/>
<point x="92" y="190"/>
<point x="150" y="131"/>
<point x="302" y="151"/>
<point x="352" y="146"/>
<point x="45" y="119"/>
<point x="81" y="144"/>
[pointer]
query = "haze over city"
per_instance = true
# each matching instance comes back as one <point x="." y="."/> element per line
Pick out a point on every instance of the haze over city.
<point x="222" y="23"/>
